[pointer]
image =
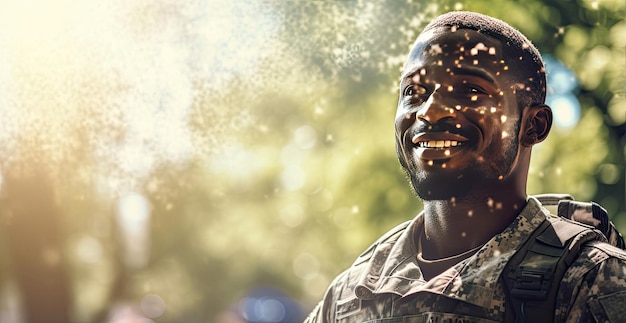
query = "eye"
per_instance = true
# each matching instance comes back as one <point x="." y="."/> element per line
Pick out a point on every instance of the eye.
<point x="414" y="91"/>
<point x="473" y="89"/>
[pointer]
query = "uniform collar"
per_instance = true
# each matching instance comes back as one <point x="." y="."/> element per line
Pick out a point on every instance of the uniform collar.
<point x="393" y="266"/>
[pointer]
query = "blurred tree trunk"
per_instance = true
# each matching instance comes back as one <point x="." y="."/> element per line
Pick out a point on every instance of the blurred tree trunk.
<point x="35" y="241"/>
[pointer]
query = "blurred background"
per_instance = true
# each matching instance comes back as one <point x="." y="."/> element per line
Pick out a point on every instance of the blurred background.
<point x="222" y="161"/>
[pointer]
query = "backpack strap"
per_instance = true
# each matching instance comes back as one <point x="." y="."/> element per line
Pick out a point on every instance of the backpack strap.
<point x="590" y="213"/>
<point x="593" y="214"/>
<point x="532" y="276"/>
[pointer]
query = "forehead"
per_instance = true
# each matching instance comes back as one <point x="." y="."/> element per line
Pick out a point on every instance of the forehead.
<point x="452" y="49"/>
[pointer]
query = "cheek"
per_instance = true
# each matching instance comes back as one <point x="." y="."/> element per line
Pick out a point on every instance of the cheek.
<point x="509" y="130"/>
<point x="486" y="117"/>
<point x="403" y="121"/>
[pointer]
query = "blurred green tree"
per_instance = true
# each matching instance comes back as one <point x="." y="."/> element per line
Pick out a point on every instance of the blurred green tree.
<point x="283" y="168"/>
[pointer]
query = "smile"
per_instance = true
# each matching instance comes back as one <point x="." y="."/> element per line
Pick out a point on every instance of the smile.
<point x="431" y="146"/>
<point x="438" y="144"/>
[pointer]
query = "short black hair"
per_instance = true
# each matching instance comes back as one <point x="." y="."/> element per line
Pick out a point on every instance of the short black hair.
<point x="517" y="46"/>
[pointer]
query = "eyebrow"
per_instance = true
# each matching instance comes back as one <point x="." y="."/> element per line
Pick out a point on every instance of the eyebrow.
<point x="468" y="71"/>
<point x="465" y="71"/>
<point x="414" y="70"/>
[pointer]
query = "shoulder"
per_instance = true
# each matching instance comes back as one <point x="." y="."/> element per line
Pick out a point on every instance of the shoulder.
<point x="602" y="261"/>
<point x="596" y="282"/>
<point x="610" y="265"/>
<point x="342" y="287"/>
<point x="388" y="238"/>
<point x="377" y="250"/>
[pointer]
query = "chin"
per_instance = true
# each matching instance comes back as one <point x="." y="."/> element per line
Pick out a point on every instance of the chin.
<point x="431" y="187"/>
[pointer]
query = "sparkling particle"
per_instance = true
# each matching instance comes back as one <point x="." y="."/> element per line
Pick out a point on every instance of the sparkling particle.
<point x="493" y="109"/>
<point x="435" y="49"/>
<point x="443" y="165"/>
<point x="453" y="28"/>
<point x="463" y="234"/>
<point x="458" y="126"/>
<point x="490" y="202"/>
<point x="492" y="50"/>
<point x="470" y="213"/>
<point x="500" y="177"/>
<point x="504" y="134"/>
<point x="503" y="119"/>
<point x="430" y="163"/>
<point x="474" y="98"/>
<point x="450" y="89"/>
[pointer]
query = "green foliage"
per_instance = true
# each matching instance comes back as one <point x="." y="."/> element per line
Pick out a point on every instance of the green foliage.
<point x="293" y="171"/>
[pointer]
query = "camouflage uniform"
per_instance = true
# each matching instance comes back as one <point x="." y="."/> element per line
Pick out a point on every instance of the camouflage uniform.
<point x="385" y="283"/>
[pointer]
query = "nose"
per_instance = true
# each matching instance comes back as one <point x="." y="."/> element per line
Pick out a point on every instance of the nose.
<point x="435" y="111"/>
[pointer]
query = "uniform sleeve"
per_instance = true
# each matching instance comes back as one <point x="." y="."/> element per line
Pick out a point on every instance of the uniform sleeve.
<point x="323" y="312"/>
<point x="601" y="295"/>
<point x="316" y="315"/>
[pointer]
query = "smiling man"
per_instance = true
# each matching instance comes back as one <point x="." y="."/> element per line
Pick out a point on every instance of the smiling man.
<point x="471" y="108"/>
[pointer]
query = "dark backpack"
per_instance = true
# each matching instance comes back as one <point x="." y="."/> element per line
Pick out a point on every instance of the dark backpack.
<point x="532" y="276"/>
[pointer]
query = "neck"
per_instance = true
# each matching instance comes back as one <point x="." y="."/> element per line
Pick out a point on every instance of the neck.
<point x="457" y="225"/>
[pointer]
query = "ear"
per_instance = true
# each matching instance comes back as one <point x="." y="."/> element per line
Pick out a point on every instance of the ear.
<point x="536" y="124"/>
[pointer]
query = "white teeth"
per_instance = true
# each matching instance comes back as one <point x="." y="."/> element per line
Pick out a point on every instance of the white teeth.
<point x="438" y="144"/>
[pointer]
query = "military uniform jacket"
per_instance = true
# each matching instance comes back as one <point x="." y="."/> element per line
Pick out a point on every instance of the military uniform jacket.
<point x="385" y="283"/>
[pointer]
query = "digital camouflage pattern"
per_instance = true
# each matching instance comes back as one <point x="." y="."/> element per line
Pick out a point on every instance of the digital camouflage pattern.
<point x="385" y="283"/>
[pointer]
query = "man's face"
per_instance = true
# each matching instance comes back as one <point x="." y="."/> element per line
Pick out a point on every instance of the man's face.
<point x="458" y="119"/>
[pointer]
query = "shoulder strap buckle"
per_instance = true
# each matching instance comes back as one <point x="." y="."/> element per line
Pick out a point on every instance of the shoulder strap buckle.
<point x="531" y="283"/>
